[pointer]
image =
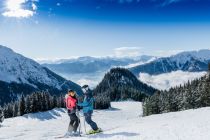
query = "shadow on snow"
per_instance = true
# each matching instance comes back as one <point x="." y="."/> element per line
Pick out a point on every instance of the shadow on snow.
<point x="102" y="135"/>
<point x="42" y="116"/>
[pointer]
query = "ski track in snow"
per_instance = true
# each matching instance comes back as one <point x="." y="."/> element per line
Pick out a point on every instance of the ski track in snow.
<point x="122" y="122"/>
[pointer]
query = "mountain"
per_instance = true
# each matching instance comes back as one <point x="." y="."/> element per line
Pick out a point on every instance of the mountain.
<point x="121" y="84"/>
<point x="92" y="65"/>
<point x="193" y="61"/>
<point x="195" y="94"/>
<point x="21" y="75"/>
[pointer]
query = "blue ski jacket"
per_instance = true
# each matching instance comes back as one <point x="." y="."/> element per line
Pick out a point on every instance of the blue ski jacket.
<point x="87" y="104"/>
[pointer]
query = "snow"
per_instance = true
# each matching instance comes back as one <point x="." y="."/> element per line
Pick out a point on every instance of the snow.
<point x="181" y="61"/>
<point x="17" y="68"/>
<point x="141" y="62"/>
<point x="123" y="122"/>
<point x="168" y="80"/>
<point x="183" y="57"/>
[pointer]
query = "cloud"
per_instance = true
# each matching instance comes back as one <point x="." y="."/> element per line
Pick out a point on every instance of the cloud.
<point x="91" y="83"/>
<point x="15" y="9"/>
<point x="166" y="53"/>
<point x="141" y="63"/>
<point x="168" y="80"/>
<point x="34" y="7"/>
<point x="127" y="51"/>
<point x="18" y="13"/>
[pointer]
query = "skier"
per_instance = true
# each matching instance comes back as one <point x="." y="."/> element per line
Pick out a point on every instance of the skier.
<point x="71" y="105"/>
<point x="87" y="106"/>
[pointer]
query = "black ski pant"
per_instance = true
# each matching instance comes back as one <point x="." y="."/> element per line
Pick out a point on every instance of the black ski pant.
<point x="74" y="122"/>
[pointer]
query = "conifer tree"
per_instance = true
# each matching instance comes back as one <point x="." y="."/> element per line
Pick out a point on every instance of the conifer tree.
<point x="54" y="102"/>
<point x="15" y="109"/>
<point x="28" y="104"/>
<point x="1" y="115"/>
<point x="209" y="67"/>
<point x="8" y="111"/>
<point x="22" y="106"/>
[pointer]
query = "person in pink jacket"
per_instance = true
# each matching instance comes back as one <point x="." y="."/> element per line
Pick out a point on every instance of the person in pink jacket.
<point x="71" y="105"/>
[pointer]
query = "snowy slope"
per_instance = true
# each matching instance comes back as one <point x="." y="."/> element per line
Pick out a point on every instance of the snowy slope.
<point x="21" y="75"/>
<point x="141" y="62"/>
<point x="17" y="68"/>
<point x="201" y="55"/>
<point x="123" y="122"/>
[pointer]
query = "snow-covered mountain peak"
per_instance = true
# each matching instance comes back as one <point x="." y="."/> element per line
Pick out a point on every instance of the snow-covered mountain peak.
<point x="193" y="61"/>
<point x="17" y="68"/>
<point x="5" y="49"/>
<point x="21" y="75"/>
<point x="201" y="55"/>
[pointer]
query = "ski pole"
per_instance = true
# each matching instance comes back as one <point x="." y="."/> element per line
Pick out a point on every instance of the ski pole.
<point x="85" y="127"/>
<point x="79" y="127"/>
<point x="79" y="122"/>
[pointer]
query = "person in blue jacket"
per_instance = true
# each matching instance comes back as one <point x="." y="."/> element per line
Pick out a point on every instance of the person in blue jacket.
<point x="87" y="106"/>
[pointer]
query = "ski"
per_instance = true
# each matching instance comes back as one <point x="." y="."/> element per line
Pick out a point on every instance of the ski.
<point x="60" y="137"/>
<point x="68" y="136"/>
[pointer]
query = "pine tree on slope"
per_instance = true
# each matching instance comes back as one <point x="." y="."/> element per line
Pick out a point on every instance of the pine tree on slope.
<point x="22" y="106"/>
<point x="1" y="115"/>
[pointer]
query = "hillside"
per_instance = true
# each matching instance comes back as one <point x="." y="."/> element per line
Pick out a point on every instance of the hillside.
<point x="121" y="84"/>
<point x="194" y="94"/>
<point x="21" y="75"/>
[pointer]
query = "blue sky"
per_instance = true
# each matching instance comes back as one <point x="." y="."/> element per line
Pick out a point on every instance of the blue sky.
<point x="53" y="29"/>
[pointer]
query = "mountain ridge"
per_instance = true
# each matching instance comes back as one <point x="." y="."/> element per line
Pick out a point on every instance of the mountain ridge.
<point x="21" y="75"/>
<point x="192" y="61"/>
<point x="89" y="64"/>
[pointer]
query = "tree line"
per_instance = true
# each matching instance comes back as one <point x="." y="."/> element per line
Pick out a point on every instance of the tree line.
<point x="42" y="101"/>
<point x="35" y="102"/>
<point x="194" y="94"/>
<point x="1" y="116"/>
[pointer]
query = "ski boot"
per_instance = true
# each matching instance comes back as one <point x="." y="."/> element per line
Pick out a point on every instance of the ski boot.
<point x="99" y="130"/>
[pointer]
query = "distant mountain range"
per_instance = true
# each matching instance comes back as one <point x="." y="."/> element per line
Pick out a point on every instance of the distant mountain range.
<point x="21" y="75"/>
<point x="192" y="61"/>
<point x="90" y="70"/>
<point x="93" y="65"/>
